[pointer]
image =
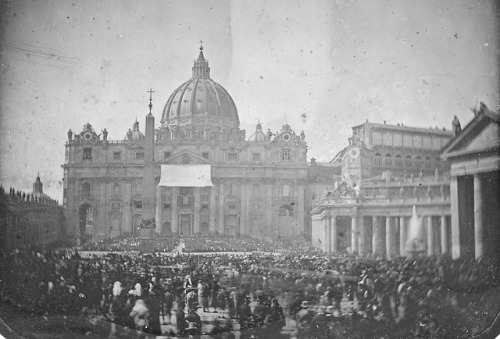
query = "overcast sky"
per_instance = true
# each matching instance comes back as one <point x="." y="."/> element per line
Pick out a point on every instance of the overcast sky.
<point x="320" y="66"/>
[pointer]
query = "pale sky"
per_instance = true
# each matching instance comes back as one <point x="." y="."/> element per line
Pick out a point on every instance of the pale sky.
<point x="320" y="66"/>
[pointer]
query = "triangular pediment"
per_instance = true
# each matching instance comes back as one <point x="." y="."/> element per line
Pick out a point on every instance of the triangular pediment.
<point x="483" y="136"/>
<point x="185" y="157"/>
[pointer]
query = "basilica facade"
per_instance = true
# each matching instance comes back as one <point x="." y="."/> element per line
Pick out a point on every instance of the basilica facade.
<point x="197" y="172"/>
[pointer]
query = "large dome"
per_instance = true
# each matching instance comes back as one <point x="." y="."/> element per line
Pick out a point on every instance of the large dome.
<point x="200" y="101"/>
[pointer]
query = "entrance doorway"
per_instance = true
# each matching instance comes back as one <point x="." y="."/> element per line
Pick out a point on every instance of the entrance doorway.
<point x="86" y="216"/>
<point x="186" y="221"/>
<point x="232" y="224"/>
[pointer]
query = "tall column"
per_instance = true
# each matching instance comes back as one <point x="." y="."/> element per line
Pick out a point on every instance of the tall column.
<point x="444" y="238"/>
<point x="390" y="238"/>
<point x="159" y="211"/>
<point x="244" y="209"/>
<point x="376" y="236"/>
<point x="221" y="209"/>
<point x="333" y="228"/>
<point x="362" y="236"/>
<point x="430" y="236"/>
<point x="213" y="207"/>
<point x="197" y="205"/>
<point x="300" y="210"/>
<point x="268" y="211"/>
<point x="327" y="242"/>
<point x="455" y="224"/>
<point x="354" y="235"/>
<point x="402" y="236"/>
<point x="175" y="221"/>
<point x="127" y="209"/>
<point x="478" y="217"/>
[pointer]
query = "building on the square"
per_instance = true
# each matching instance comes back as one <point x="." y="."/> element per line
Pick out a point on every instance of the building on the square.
<point x="387" y="173"/>
<point x="29" y="219"/>
<point x="196" y="173"/>
<point x="474" y="155"/>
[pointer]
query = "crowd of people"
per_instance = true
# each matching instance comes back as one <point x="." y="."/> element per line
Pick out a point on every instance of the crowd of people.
<point x="301" y="293"/>
<point x="193" y="243"/>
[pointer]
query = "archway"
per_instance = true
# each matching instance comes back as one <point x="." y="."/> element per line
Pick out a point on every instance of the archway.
<point x="86" y="216"/>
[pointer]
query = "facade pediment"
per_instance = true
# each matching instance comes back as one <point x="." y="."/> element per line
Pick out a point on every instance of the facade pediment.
<point x="185" y="157"/>
<point x="481" y="134"/>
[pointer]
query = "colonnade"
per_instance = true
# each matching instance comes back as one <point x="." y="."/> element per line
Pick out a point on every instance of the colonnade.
<point x="384" y="236"/>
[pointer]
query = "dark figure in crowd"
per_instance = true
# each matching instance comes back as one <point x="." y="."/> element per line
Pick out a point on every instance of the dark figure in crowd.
<point x="181" y="319"/>
<point x="276" y="311"/>
<point x="245" y="315"/>
<point x="193" y="322"/>
<point x="260" y="313"/>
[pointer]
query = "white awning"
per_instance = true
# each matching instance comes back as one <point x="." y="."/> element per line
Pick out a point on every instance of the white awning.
<point x="186" y="176"/>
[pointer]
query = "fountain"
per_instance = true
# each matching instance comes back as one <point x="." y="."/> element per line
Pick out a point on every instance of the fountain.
<point x="415" y="244"/>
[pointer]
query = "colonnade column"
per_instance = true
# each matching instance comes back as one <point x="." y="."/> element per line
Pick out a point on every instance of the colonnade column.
<point x="333" y="230"/>
<point x="354" y="235"/>
<point x="390" y="238"/>
<point x="376" y="236"/>
<point x="197" y="205"/>
<point x="221" y="209"/>
<point x="327" y="244"/>
<point x="455" y="227"/>
<point x="444" y="239"/>
<point x="175" y="223"/>
<point x="361" y="238"/>
<point x="478" y="217"/>
<point x="159" y="211"/>
<point x="402" y="236"/>
<point x="430" y="236"/>
<point x="244" y="209"/>
<point x="213" y="208"/>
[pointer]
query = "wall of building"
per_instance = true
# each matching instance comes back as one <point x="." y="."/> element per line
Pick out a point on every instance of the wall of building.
<point x="26" y="221"/>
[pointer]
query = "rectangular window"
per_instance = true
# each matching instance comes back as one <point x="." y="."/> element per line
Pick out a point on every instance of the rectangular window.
<point x="407" y="141"/>
<point x="398" y="140"/>
<point x="138" y="204"/>
<point x="417" y="141"/>
<point x="256" y="156"/>
<point x="87" y="153"/>
<point x="377" y="138"/>
<point x="232" y="156"/>
<point x="166" y="155"/>
<point x="139" y="155"/>
<point x="387" y="139"/>
<point x="427" y="142"/>
<point x="117" y="155"/>
<point x="285" y="155"/>
<point x="205" y="155"/>
<point x="166" y="206"/>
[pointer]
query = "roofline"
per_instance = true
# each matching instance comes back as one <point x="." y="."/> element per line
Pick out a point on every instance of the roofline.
<point x="407" y="128"/>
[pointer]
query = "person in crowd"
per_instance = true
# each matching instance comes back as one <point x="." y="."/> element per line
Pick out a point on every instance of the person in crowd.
<point x="193" y="322"/>
<point x="276" y="311"/>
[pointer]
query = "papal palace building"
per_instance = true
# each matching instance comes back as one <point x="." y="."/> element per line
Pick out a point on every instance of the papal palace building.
<point x="197" y="173"/>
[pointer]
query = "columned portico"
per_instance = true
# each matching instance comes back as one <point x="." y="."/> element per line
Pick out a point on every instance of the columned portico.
<point x="390" y="238"/>
<point x="220" y="216"/>
<point x="478" y="217"/>
<point x="362" y="235"/>
<point x="354" y="235"/>
<point x="376" y="237"/>
<point x="402" y="236"/>
<point x="444" y="235"/>
<point x="196" y="222"/>
<point x="430" y="235"/>
<point x="159" y="211"/>
<point x="175" y="215"/>
<point x="333" y="234"/>
<point x="213" y="208"/>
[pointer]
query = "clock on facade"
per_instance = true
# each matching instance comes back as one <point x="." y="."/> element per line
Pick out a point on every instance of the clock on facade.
<point x="354" y="153"/>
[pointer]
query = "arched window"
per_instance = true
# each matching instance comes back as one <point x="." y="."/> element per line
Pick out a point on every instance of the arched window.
<point x="418" y="162"/>
<point x="377" y="160"/>
<point x="116" y="188"/>
<point x="86" y="190"/>
<point x="408" y="162"/>
<point x="286" y="190"/>
<point x="428" y="163"/>
<point x="286" y="210"/>
<point x="398" y="162"/>
<point x="388" y="160"/>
